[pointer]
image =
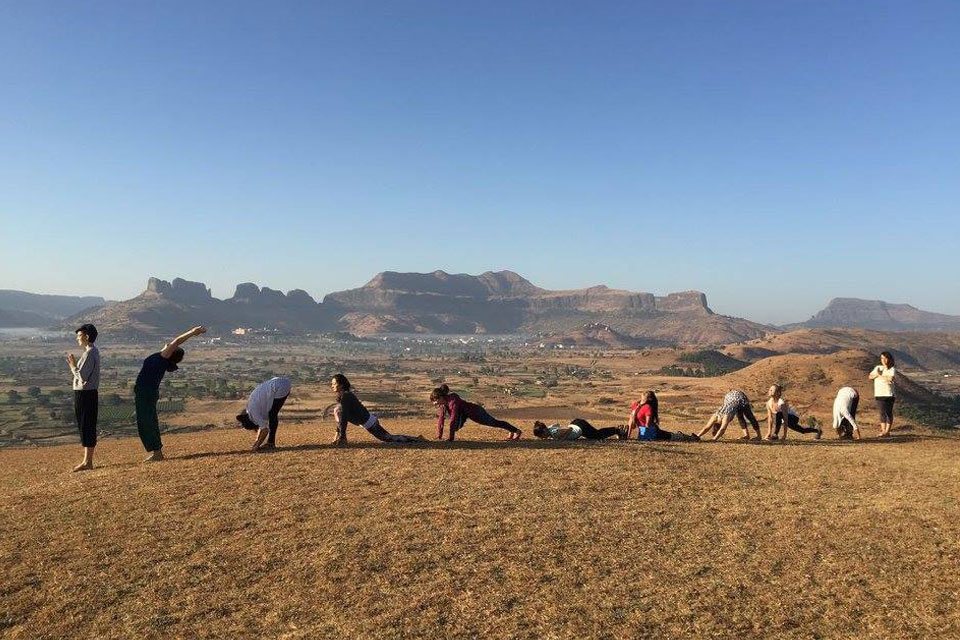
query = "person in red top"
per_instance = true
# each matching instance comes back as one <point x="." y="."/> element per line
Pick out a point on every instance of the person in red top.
<point x="645" y="418"/>
<point x="460" y="411"/>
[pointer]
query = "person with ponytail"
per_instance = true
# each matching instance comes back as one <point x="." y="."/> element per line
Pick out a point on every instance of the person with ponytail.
<point x="350" y="410"/>
<point x="645" y="418"/>
<point x="459" y="411"/>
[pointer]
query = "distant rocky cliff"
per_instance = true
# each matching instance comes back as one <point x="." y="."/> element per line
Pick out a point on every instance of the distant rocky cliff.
<point x="438" y="302"/>
<point x="881" y="316"/>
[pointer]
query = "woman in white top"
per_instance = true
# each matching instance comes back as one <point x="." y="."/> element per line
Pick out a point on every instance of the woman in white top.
<point x="883" y="376"/>
<point x="263" y="411"/>
<point x="780" y="413"/>
<point x="845" y="413"/>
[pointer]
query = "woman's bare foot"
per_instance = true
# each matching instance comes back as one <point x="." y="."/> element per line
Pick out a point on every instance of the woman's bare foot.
<point x="155" y="456"/>
<point x="516" y="435"/>
<point x="83" y="466"/>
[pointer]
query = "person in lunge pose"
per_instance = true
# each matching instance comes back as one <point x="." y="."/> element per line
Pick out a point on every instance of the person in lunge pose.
<point x="845" y="413"/>
<point x="883" y="376"/>
<point x="781" y="413"/>
<point x="735" y="404"/>
<point x="86" y="381"/>
<point x="578" y="428"/>
<point x="146" y="391"/>
<point x="645" y="418"/>
<point x="263" y="411"/>
<point x="460" y="411"/>
<point x="350" y="410"/>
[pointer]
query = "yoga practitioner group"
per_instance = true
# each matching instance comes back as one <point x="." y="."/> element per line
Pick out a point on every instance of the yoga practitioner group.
<point x="263" y="408"/>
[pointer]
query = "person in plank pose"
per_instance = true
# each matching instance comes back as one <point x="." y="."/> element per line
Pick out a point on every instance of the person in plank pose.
<point x="578" y="428"/>
<point x="86" y="381"/>
<point x="262" y="413"/>
<point x="645" y="418"/>
<point x="781" y="413"/>
<point x="350" y="410"/>
<point x="883" y="376"/>
<point x="146" y="391"/>
<point x="845" y="413"/>
<point x="735" y="404"/>
<point x="459" y="410"/>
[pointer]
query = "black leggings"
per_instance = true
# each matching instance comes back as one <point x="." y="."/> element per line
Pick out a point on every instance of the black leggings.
<point x="484" y="418"/>
<point x="793" y="422"/>
<point x="885" y="405"/>
<point x="85" y="408"/>
<point x="592" y="433"/>
<point x="274" y="419"/>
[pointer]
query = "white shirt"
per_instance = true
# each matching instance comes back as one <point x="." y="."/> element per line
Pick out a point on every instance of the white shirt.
<point x="261" y="400"/>
<point x="779" y="407"/>
<point x="843" y="407"/>
<point x="883" y="383"/>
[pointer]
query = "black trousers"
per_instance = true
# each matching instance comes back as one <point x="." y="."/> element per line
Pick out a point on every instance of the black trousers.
<point x="846" y="429"/>
<point x="484" y="418"/>
<point x="793" y="422"/>
<point x="885" y="406"/>
<point x="274" y="419"/>
<point x="592" y="433"/>
<point x="86" y="404"/>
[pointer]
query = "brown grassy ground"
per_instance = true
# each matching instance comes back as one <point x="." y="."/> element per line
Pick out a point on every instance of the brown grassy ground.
<point x="482" y="539"/>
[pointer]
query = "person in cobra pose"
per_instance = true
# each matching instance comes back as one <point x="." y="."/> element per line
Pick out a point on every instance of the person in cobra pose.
<point x="735" y="404"/>
<point x="578" y="428"/>
<point x="459" y="410"/>
<point x="350" y="410"/>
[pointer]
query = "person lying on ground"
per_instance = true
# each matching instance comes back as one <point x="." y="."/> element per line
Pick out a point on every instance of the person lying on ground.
<point x="845" y="413"/>
<point x="645" y="418"/>
<point x="735" y="404"/>
<point x="263" y="411"/>
<point x="578" y="428"/>
<point x="781" y="413"/>
<point x="146" y="391"/>
<point x="459" y="410"/>
<point x="350" y="410"/>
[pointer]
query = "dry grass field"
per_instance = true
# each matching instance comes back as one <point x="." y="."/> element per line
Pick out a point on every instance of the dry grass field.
<point x="482" y="538"/>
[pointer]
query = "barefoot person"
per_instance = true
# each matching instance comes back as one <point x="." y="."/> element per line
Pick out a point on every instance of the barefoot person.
<point x="883" y="376"/>
<point x="263" y="411"/>
<point x="645" y="418"/>
<point x="460" y="411"/>
<point x="845" y="413"/>
<point x="735" y="404"/>
<point x="578" y="428"/>
<point x="781" y="413"/>
<point x="86" y="381"/>
<point x="350" y="410"/>
<point x="146" y="391"/>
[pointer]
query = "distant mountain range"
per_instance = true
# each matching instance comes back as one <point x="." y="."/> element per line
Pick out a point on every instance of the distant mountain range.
<point x="22" y="309"/>
<point x="854" y="313"/>
<point x="438" y="302"/>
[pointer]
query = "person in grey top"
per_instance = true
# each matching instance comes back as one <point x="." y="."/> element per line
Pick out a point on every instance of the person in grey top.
<point x="86" y="381"/>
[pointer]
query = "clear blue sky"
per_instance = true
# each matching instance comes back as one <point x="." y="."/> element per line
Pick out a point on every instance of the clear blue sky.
<point x="772" y="154"/>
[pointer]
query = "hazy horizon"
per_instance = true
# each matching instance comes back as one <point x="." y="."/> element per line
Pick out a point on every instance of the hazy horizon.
<point x="771" y="155"/>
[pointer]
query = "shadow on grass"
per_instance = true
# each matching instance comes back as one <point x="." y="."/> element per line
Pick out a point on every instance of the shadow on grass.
<point x="460" y="445"/>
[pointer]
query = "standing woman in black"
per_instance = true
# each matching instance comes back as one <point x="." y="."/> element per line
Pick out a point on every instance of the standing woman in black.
<point x="350" y="410"/>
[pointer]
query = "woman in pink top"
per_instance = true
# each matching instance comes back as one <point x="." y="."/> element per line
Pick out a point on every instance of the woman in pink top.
<point x="460" y="411"/>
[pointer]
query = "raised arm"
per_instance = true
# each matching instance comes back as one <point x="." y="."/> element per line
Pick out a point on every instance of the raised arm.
<point x="631" y="423"/>
<point x="170" y="347"/>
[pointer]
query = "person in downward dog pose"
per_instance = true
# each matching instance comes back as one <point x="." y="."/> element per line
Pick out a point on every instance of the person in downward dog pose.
<point x="350" y="410"/>
<point x="262" y="413"/>
<point x="781" y="413"/>
<point x="578" y="428"/>
<point x="845" y="413"/>
<point x="146" y="391"/>
<point x="645" y="418"/>
<point x="883" y="376"/>
<point x="735" y="404"/>
<point x="460" y="411"/>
